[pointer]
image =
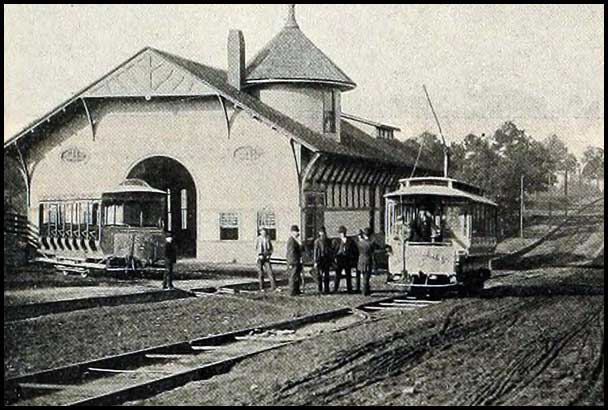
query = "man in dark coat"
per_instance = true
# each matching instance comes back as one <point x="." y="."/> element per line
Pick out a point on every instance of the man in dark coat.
<point x="323" y="258"/>
<point x="366" y="259"/>
<point x="293" y="256"/>
<point x="170" y="259"/>
<point x="344" y="255"/>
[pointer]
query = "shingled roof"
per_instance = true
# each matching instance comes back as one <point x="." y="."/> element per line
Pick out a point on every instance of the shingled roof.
<point x="354" y="143"/>
<point x="291" y="57"/>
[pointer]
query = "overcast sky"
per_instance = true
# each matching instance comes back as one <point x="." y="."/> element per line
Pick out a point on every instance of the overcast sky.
<point x="540" y="66"/>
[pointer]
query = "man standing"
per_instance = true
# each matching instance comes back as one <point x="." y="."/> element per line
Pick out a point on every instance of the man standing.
<point x="264" y="249"/>
<point x="170" y="259"/>
<point x="323" y="258"/>
<point x="343" y="248"/>
<point x="293" y="255"/>
<point x="365" y="263"/>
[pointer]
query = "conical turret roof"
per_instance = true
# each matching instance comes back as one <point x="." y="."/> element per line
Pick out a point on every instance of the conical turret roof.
<point x="292" y="57"/>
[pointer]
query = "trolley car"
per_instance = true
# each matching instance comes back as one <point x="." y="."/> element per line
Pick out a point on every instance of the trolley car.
<point x="120" y="230"/>
<point x="441" y="235"/>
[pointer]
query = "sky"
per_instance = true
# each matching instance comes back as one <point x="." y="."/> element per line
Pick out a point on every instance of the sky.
<point x="541" y="66"/>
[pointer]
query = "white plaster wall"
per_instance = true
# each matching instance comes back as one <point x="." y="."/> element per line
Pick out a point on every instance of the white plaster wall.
<point x="193" y="133"/>
<point x="302" y="103"/>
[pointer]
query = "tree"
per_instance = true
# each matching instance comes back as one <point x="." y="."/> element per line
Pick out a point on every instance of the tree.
<point x="430" y="147"/>
<point x="497" y="163"/>
<point x="593" y="160"/>
<point x="473" y="161"/>
<point x="558" y="155"/>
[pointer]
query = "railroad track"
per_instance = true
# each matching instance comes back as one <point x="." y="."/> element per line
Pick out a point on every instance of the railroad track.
<point x="146" y="373"/>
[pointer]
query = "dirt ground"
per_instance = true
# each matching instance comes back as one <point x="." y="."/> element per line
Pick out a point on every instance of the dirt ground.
<point x="65" y="338"/>
<point x="536" y="338"/>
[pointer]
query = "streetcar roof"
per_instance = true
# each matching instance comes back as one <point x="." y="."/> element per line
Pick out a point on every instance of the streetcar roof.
<point x="438" y="191"/>
<point x="135" y="186"/>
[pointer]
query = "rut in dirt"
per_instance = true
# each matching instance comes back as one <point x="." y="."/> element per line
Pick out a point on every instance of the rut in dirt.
<point x="394" y="355"/>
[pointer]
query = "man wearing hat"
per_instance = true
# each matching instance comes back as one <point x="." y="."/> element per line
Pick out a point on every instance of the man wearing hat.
<point x="170" y="259"/>
<point x="365" y="262"/>
<point x="293" y="255"/>
<point x="344" y="253"/>
<point x="323" y="259"/>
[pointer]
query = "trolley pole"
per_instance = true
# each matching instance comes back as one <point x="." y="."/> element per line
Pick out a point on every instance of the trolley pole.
<point x="521" y="208"/>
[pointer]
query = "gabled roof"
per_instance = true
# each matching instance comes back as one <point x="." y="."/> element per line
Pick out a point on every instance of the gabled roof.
<point x="171" y="75"/>
<point x="292" y="57"/>
<point x="371" y="123"/>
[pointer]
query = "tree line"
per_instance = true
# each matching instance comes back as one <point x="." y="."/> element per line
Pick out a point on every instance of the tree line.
<point x="497" y="162"/>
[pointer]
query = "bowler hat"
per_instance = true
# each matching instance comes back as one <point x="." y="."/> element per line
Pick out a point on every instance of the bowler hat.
<point x="295" y="228"/>
<point x="342" y="229"/>
<point x="367" y="232"/>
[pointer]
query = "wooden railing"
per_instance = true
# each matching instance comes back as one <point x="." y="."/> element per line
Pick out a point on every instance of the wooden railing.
<point x="21" y="230"/>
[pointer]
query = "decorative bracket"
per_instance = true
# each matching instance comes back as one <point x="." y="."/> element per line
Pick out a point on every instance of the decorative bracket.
<point x="89" y="117"/>
<point x="26" y="174"/>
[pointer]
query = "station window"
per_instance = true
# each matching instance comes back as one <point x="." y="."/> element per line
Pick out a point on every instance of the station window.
<point x="267" y="219"/>
<point x="329" y="112"/>
<point x="184" y="209"/>
<point x="229" y="226"/>
<point x="169" y="212"/>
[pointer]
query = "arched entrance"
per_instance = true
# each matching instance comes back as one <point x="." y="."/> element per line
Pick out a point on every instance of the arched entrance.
<point x="171" y="176"/>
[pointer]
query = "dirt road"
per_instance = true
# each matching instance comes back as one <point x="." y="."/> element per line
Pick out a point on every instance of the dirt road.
<point x="538" y="342"/>
<point x="534" y="337"/>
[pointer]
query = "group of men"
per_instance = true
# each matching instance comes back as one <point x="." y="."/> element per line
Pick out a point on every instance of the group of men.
<point x="342" y="255"/>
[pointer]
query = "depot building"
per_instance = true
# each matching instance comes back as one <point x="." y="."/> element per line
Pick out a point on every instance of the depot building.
<point x="259" y="144"/>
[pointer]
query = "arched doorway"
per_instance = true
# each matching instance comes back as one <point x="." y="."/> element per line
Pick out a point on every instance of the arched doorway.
<point x="171" y="176"/>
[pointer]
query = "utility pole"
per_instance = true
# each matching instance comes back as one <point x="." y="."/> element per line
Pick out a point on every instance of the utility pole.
<point x="521" y="208"/>
<point x="566" y="191"/>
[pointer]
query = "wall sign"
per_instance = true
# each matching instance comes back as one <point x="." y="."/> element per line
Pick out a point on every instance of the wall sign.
<point x="248" y="154"/>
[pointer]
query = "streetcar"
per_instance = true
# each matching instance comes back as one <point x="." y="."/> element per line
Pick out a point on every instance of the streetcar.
<point x="441" y="236"/>
<point x="121" y="230"/>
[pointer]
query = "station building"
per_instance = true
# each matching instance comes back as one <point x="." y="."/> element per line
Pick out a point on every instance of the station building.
<point x="263" y="143"/>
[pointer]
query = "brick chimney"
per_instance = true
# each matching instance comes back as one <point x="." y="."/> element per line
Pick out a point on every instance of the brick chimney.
<point x="236" y="59"/>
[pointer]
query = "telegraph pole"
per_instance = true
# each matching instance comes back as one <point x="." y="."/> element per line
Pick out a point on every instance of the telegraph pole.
<point x="566" y="191"/>
<point x="521" y="208"/>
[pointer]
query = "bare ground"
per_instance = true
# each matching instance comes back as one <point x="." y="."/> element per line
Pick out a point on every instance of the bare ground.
<point x="536" y="343"/>
<point x="66" y="338"/>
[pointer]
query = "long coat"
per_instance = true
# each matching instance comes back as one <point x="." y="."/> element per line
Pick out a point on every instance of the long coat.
<point x="323" y="252"/>
<point x="170" y="252"/>
<point x="293" y="253"/>
<point x="346" y="251"/>
<point x="366" y="255"/>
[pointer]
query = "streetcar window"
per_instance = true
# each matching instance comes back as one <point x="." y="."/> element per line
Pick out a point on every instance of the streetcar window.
<point x="44" y="215"/>
<point x="114" y="214"/>
<point x="95" y="214"/>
